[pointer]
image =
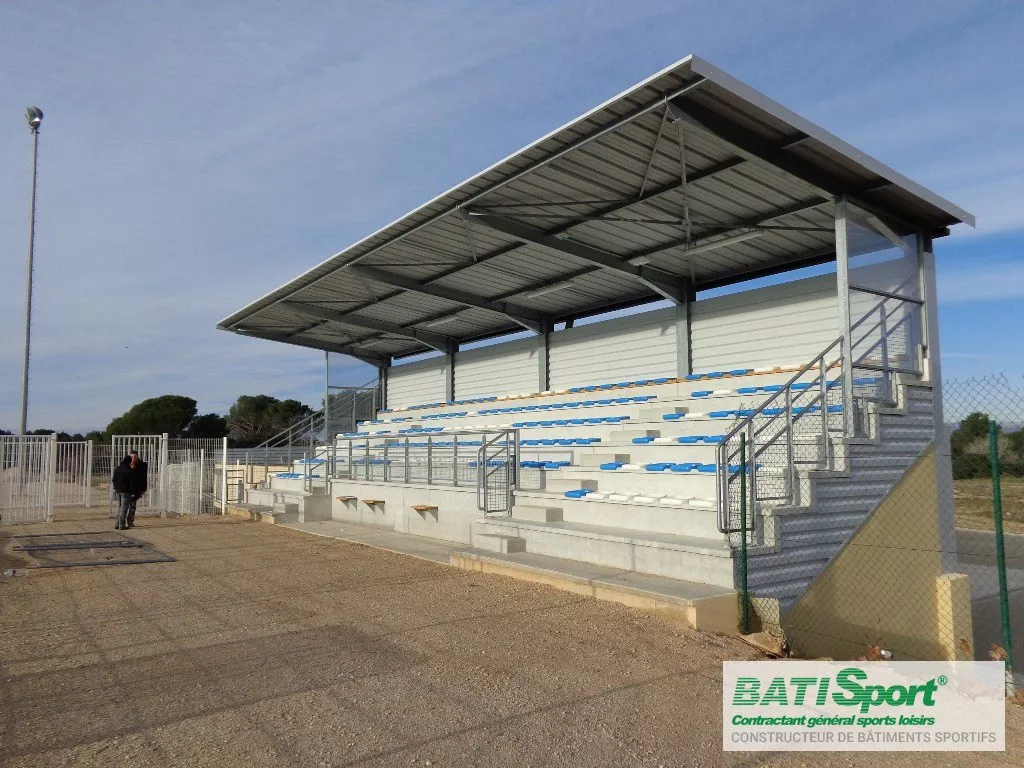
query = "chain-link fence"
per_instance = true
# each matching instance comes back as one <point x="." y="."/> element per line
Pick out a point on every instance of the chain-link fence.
<point x="877" y="539"/>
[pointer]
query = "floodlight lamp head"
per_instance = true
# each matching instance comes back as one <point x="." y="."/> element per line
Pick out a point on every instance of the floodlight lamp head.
<point x="34" y="117"/>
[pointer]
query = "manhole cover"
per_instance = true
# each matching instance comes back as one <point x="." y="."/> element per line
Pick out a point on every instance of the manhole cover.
<point x="69" y="550"/>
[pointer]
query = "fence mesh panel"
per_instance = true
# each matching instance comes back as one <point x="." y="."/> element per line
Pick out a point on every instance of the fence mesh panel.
<point x="870" y="538"/>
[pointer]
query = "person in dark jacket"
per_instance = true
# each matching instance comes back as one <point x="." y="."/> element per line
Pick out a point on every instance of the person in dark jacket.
<point x="129" y="483"/>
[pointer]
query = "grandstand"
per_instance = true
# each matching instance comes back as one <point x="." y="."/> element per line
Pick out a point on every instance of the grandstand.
<point x="733" y="437"/>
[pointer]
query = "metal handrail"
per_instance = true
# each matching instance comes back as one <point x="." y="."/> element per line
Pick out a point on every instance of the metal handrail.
<point x="362" y="451"/>
<point x="725" y="475"/>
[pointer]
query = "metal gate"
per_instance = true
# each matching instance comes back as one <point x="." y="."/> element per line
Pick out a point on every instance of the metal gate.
<point x="73" y="480"/>
<point x="27" y="470"/>
<point x="152" y="450"/>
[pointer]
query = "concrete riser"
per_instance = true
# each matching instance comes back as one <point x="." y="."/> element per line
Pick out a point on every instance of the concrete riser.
<point x="652" y="559"/>
<point x="641" y="518"/>
<point x="693" y="484"/>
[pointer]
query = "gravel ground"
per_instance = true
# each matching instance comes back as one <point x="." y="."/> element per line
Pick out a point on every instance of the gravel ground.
<point x="262" y="646"/>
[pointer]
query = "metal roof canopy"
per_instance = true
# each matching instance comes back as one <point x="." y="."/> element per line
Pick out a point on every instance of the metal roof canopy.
<point x="688" y="181"/>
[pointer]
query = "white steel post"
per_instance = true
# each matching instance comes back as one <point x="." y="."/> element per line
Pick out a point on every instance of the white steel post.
<point x="199" y="495"/>
<point x="164" y="460"/>
<point x="88" y="474"/>
<point x="843" y="292"/>
<point x="51" y="481"/>
<point x="224" y="478"/>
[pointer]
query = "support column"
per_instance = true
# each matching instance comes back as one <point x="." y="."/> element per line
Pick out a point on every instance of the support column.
<point x="382" y="385"/>
<point x="684" y="352"/>
<point x="843" y="293"/>
<point x="449" y="372"/>
<point x="327" y="395"/>
<point x="544" y="357"/>
<point x="933" y="374"/>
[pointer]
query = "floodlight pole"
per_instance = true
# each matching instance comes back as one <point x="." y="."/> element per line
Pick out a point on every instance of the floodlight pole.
<point x="35" y="117"/>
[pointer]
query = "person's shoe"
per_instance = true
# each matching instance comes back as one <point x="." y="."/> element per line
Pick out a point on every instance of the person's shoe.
<point x="130" y="525"/>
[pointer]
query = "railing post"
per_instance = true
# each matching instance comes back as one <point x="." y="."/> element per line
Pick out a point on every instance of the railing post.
<point x="790" y="457"/>
<point x="366" y="458"/>
<point x="455" y="461"/>
<point x="823" y="373"/>
<point x="406" y="459"/>
<point x="744" y="602"/>
<point x="386" y="463"/>
<point x="430" y="459"/>
<point x="883" y="329"/>
<point x="753" y="469"/>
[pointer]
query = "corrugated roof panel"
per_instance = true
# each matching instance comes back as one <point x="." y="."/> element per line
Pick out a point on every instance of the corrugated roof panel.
<point x="435" y="245"/>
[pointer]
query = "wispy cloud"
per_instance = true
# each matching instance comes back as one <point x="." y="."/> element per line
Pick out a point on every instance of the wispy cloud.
<point x="990" y="281"/>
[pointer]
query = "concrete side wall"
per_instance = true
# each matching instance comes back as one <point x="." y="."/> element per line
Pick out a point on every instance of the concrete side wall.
<point x="451" y="521"/>
<point x="896" y="551"/>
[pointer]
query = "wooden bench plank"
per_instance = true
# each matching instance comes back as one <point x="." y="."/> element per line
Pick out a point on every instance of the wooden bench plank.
<point x="346" y="499"/>
<point x="425" y="507"/>
<point x="373" y="502"/>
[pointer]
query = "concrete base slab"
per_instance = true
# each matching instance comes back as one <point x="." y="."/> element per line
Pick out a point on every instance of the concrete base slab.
<point x="435" y="550"/>
<point x="501" y="544"/>
<point x="700" y="606"/>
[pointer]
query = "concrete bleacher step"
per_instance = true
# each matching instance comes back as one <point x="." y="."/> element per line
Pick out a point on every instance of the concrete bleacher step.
<point x="537" y="513"/>
<point x="692" y="517"/>
<point x="561" y="484"/>
<point x="697" y="605"/>
<point x="687" y="558"/>
<point x="587" y="459"/>
<point x="499" y="543"/>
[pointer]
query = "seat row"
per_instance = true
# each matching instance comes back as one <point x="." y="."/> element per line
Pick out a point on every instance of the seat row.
<point x="666" y="466"/>
<point x="710" y="375"/>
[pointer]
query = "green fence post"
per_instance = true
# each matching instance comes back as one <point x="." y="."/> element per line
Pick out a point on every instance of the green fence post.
<point x="997" y="520"/>
<point x="744" y="603"/>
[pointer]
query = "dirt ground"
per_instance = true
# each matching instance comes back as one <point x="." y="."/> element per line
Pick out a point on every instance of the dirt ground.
<point x="262" y="646"/>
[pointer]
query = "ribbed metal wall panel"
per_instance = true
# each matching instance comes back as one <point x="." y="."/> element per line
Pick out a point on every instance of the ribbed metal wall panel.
<point x="776" y="325"/>
<point x="637" y="346"/>
<point x="416" y="383"/>
<point x="502" y="369"/>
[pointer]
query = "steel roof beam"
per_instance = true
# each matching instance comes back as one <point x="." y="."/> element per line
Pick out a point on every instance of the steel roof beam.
<point x="362" y="355"/>
<point x="754" y="147"/>
<point x="524" y="316"/>
<point x="665" y="284"/>
<point x="436" y="341"/>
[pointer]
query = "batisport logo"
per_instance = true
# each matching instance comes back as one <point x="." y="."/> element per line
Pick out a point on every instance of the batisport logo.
<point x="819" y="705"/>
<point x="853" y="691"/>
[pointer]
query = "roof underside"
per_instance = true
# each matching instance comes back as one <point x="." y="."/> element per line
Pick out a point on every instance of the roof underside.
<point x="598" y="214"/>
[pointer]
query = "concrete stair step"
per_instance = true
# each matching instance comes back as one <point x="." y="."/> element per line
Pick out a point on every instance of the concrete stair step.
<point x="697" y="605"/>
<point x="597" y="459"/>
<point x="561" y="484"/>
<point x="490" y="542"/>
<point x="536" y="513"/>
<point x="686" y="558"/>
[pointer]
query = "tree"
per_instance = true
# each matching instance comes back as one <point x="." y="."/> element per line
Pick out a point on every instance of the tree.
<point x="253" y="419"/>
<point x="207" y="425"/>
<point x="168" y="413"/>
<point x="968" y="445"/>
<point x="96" y="437"/>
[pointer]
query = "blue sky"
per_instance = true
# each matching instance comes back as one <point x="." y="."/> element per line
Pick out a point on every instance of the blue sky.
<point x="196" y="155"/>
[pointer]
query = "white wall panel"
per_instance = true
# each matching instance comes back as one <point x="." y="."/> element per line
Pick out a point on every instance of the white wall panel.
<point x="626" y="348"/>
<point x="416" y="383"/>
<point x="501" y="369"/>
<point x="776" y="325"/>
